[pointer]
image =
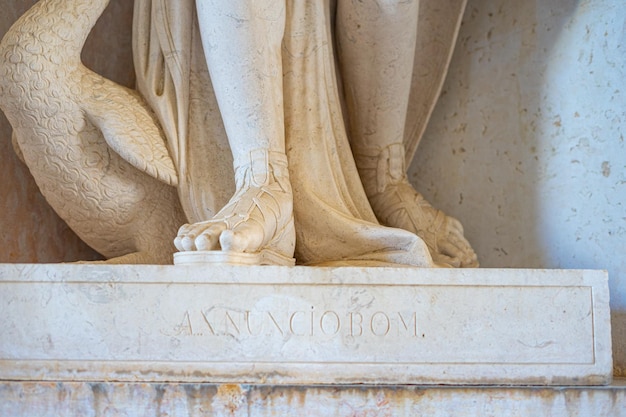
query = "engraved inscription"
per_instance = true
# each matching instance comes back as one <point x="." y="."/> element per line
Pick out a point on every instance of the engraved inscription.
<point x="220" y="321"/>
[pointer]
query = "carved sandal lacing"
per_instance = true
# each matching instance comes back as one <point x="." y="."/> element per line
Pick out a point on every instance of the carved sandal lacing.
<point x="263" y="196"/>
<point x="393" y="198"/>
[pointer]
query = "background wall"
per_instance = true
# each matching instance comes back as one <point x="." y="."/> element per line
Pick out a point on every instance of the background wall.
<point x="526" y="145"/>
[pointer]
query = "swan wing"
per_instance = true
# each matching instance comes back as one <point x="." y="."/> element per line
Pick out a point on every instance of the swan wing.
<point x="129" y="128"/>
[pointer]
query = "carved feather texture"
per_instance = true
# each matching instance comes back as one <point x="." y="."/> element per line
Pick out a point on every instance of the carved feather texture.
<point x="128" y="127"/>
<point x="85" y="139"/>
<point x="44" y="76"/>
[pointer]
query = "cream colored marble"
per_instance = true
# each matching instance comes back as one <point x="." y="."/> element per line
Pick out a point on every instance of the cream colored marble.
<point x="261" y="79"/>
<point x="88" y="142"/>
<point x="195" y="400"/>
<point x="274" y="76"/>
<point x="510" y="229"/>
<point x="526" y="139"/>
<point x="303" y="325"/>
<point x="31" y="230"/>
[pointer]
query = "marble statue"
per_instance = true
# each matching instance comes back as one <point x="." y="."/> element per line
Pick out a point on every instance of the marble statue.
<point x="285" y="126"/>
<point x="94" y="148"/>
<point x="261" y="79"/>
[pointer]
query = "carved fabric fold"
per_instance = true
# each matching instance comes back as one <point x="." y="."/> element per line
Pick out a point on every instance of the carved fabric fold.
<point x="323" y="174"/>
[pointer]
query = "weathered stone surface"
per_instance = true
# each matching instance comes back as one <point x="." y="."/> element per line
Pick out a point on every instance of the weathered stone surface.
<point x="151" y="400"/>
<point x="304" y="325"/>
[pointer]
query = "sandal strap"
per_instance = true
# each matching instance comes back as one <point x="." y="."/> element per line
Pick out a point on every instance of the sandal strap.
<point x="397" y="205"/>
<point x="389" y="163"/>
<point x="261" y="165"/>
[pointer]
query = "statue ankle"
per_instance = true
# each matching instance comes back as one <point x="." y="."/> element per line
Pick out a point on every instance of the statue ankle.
<point x="262" y="168"/>
<point x="380" y="168"/>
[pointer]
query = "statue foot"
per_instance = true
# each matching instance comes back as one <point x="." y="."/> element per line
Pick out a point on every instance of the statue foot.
<point x="397" y="204"/>
<point x="255" y="227"/>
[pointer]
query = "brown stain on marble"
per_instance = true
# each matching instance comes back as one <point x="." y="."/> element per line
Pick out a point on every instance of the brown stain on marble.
<point x="230" y="398"/>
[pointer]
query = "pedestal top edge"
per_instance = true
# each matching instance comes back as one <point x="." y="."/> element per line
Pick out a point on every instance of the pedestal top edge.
<point x="302" y="275"/>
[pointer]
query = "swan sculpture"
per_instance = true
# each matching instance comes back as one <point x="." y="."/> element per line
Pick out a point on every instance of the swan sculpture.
<point x="94" y="148"/>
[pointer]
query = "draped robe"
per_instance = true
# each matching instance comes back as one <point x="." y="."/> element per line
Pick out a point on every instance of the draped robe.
<point x="334" y="222"/>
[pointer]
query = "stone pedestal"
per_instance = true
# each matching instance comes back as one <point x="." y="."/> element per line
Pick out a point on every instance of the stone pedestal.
<point x="71" y="399"/>
<point x="304" y="326"/>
